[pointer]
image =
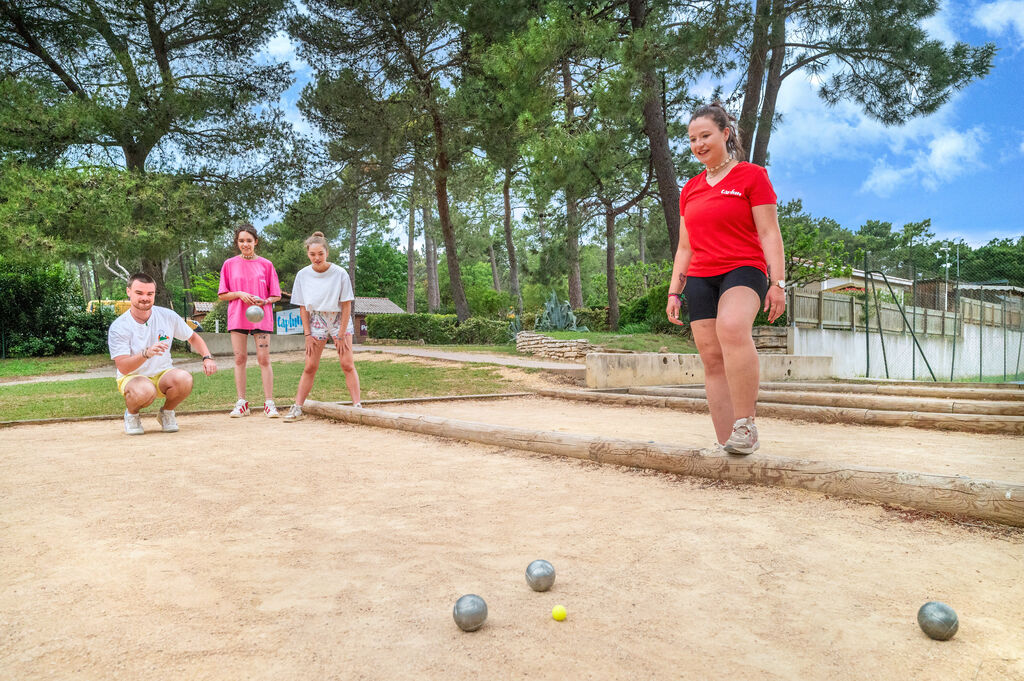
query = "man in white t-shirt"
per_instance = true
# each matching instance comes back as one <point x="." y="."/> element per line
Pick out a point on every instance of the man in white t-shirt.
<point x="140" y="345"/>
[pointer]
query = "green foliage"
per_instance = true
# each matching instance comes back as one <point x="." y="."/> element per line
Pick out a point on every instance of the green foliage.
<point x="435" y="329"/>
<point x="205" y="286"/>
<point x="219" y="313"/>
<point x="557" y="316"/>
<point x="42" y="313"/>
<point x="650" y="311"/>
<point x="479" y="331"/>
<point x="812" y="252"/>
<point x="381" y="270"/>
<point x="593" y="318"/>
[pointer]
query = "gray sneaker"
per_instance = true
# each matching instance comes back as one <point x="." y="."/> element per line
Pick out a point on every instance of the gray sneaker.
<point x="133" y="424"/>
<point x="294" y="414"/>
<point x="167" y="421"/>
<point x="744" y="437"/>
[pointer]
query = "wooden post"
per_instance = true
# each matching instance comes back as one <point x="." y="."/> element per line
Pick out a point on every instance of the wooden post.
<point x="1001" y="502"/>
<point x="821" y="309"/>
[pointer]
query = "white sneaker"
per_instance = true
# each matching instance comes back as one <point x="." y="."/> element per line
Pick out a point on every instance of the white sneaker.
<point x="744" y="437"/>
<point x="294" y="414"/>
<point x="167" y="421"/>
<point x="133" y="424"/>
<point x="241" y="409"/>
<point x="270" y="409"/>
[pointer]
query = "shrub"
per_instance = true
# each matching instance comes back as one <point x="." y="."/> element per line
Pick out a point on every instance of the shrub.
<point x="650" y="310"/>
<point x="558" y="316"/>
<point x="430" y="328"/>
<point x="219" y="312"/>
<point x="480" y="331"/>
<point x="594" y="318"/>
<point x="85" y="333"/>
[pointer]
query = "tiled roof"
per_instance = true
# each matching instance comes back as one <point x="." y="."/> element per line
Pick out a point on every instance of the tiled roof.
<point x="375" y="306"/>
<point x="202" y="306"/>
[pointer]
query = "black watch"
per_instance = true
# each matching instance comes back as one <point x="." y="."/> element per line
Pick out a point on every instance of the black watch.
<point x="206" y="357"/>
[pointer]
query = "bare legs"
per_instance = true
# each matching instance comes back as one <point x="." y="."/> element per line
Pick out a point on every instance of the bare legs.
<point x="240" y="347"/>
<point x="731" y="368"/>
<point x="345" y="357"/>
<point x="140" y="392"/>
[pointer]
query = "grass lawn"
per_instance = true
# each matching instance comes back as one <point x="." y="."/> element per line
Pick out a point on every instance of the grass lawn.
<point x="65" y="364"/>
<point x="639" y="342"/>
<point x="379" y="380"/>
<point x="506" y="349"/>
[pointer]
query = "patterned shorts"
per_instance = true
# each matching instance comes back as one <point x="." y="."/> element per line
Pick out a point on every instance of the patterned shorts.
<point x="324" y="325"/>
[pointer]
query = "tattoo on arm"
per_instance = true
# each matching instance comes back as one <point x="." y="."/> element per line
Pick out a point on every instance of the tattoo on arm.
<point x="769" y="272"/>
<point x="682" y="280"/>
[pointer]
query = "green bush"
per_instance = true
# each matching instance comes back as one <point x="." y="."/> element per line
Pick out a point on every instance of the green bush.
<point x="594" y="318"/>
<point x="430" y="328"/>
<point x="219" y="312"/>
<point x="85" y="333"/>
<point x="480" y="331"/>
<point x="650" y="310"/>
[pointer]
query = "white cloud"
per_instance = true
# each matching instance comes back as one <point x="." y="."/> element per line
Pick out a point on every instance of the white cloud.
<point x="281" y="48"/>
<point x="1022" y="145"/>
<point x="940" y="25"/>
<point x="1002" y="16"/>
<point x="947" y="156"/>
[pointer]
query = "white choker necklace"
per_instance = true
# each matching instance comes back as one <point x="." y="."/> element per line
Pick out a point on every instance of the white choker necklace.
<point x="712" y="171"/>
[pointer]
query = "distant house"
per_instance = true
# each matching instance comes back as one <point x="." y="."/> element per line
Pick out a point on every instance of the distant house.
<point x="199" y="311"/>
<point x="856" y="281"/>
<point x="362" y="307"/>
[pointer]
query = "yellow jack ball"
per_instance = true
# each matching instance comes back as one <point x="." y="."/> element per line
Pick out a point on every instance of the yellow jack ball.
<point x="558" y="612"/>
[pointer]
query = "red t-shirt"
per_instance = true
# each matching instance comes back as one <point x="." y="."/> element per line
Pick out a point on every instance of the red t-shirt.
<point x="720" y="223"/>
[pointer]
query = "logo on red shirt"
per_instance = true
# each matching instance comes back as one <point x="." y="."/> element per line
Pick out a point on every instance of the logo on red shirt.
<point x="732" y="192"/>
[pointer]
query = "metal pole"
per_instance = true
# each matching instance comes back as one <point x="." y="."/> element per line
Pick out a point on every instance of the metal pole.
<point x="1004" y="339"/>
<point x="867" y="326"/>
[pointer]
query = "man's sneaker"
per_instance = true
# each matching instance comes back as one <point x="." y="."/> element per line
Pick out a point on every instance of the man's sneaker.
<point x="241" y="409"/>
<point x="270" y="409"/>
<point x="167" y="421"/>
<point x="744" y="437"/>
<point x="133" y="424"/>
<point x="294" y="414"/>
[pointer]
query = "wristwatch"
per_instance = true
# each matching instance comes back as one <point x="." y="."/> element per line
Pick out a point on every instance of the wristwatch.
<point x="206" y="357"/>
<point x="781" y="283"/>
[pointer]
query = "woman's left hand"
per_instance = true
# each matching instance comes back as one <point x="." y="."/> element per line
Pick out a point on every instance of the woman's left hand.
<point x="774" y="303"/>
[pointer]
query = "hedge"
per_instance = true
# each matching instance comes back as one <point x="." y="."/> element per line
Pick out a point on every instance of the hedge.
<point x="438" y="329"/>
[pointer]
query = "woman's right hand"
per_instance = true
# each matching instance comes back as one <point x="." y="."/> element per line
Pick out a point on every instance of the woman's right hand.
<point x="247" y="298"/>
<point x="672" y="310"/>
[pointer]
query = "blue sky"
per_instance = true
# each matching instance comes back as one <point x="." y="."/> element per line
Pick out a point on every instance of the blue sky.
<point x="962" y="167"/>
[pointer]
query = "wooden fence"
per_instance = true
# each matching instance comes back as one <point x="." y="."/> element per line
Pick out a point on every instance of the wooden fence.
<point x="839" y="311"/>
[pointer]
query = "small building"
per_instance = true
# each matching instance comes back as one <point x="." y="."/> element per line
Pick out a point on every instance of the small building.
<point x="363" y="307"/>
<point x="200" y="309"/>
<point x="856" y="281"/>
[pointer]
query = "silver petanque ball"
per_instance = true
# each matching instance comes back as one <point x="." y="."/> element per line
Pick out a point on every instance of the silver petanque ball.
<point x="540" y="575"/>
<point x="938" y="620"/>
<point x="254" y="313"/>
<point x="470" y="612"/>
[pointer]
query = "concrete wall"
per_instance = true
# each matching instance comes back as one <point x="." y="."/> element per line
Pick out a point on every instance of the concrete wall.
<point x="979" y="348"/>
<point x="605" y="370"/>
<point x="220" y="343"/>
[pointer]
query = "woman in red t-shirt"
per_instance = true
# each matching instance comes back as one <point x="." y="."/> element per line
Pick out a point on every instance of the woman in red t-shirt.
<point x="729" y="265"/>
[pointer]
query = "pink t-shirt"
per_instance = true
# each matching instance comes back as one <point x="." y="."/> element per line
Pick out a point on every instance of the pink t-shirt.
<point x="256" y="277"/>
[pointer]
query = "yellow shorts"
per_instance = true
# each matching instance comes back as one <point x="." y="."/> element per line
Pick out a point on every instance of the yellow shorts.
<point x="123" y="381"/>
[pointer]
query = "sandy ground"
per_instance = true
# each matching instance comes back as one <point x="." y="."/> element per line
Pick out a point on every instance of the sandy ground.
<point x="254" y="549"/>
<point x="992" y="457"/>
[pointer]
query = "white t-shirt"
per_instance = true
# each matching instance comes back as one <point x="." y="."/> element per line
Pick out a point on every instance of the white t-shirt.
<point x="128" y="337"/>
<point x="323" y="291"/>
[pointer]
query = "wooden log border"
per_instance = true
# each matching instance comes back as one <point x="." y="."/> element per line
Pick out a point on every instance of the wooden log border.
<point x="1001" y="502"/>
<point x="939" y="391"/>
<point x="969" y="423"/>
<point x="931" y="405"/>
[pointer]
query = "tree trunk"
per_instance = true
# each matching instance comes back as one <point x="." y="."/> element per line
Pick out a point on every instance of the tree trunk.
<point x="572" y="227"/>
<point x="755" y="76"/>
<point x="430" y="253"/>
<point x="135" y="160"/>
<point x="656" y="130"/>
<point x="772" y="83"/>
<point x="186" y="281"/>
<point x="495" y="277"/>
<point x="641" y="232"/>
<point x="451" y="254"/>
<point x="96" y="278"/>
<point x="613" y="291"/>
<point x="352" y="229"/>
<point x="513" y="268"/>
<point x="410" y="260"/>
<point x="83" y="279"/>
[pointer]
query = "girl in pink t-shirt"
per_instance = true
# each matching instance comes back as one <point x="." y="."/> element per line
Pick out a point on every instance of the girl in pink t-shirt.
<point x="245" y="280"/>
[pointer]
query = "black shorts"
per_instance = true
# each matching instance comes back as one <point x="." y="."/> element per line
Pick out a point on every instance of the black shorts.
<point x="702" y="293"/>
<point x="248" y="332"/>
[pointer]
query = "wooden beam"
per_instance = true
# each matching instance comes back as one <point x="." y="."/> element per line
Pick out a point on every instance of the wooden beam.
<point x="836" y="399"/>
<point x="969" y="423"/>
<point x="989" y="500"/>
<point x="925" y="390"/>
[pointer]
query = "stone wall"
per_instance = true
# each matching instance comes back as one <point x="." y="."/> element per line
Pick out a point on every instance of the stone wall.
<point x="773" y="340"/>
<point x="545" y="346"/>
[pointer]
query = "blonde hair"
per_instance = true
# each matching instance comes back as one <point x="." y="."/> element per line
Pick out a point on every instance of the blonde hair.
<point x="317" y="239"/>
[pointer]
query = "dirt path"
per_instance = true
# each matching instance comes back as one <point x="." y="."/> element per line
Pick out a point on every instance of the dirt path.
<point x="254" y="549"/>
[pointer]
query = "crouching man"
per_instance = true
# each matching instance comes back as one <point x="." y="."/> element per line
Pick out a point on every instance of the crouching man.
<point x="140" y="345"/>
